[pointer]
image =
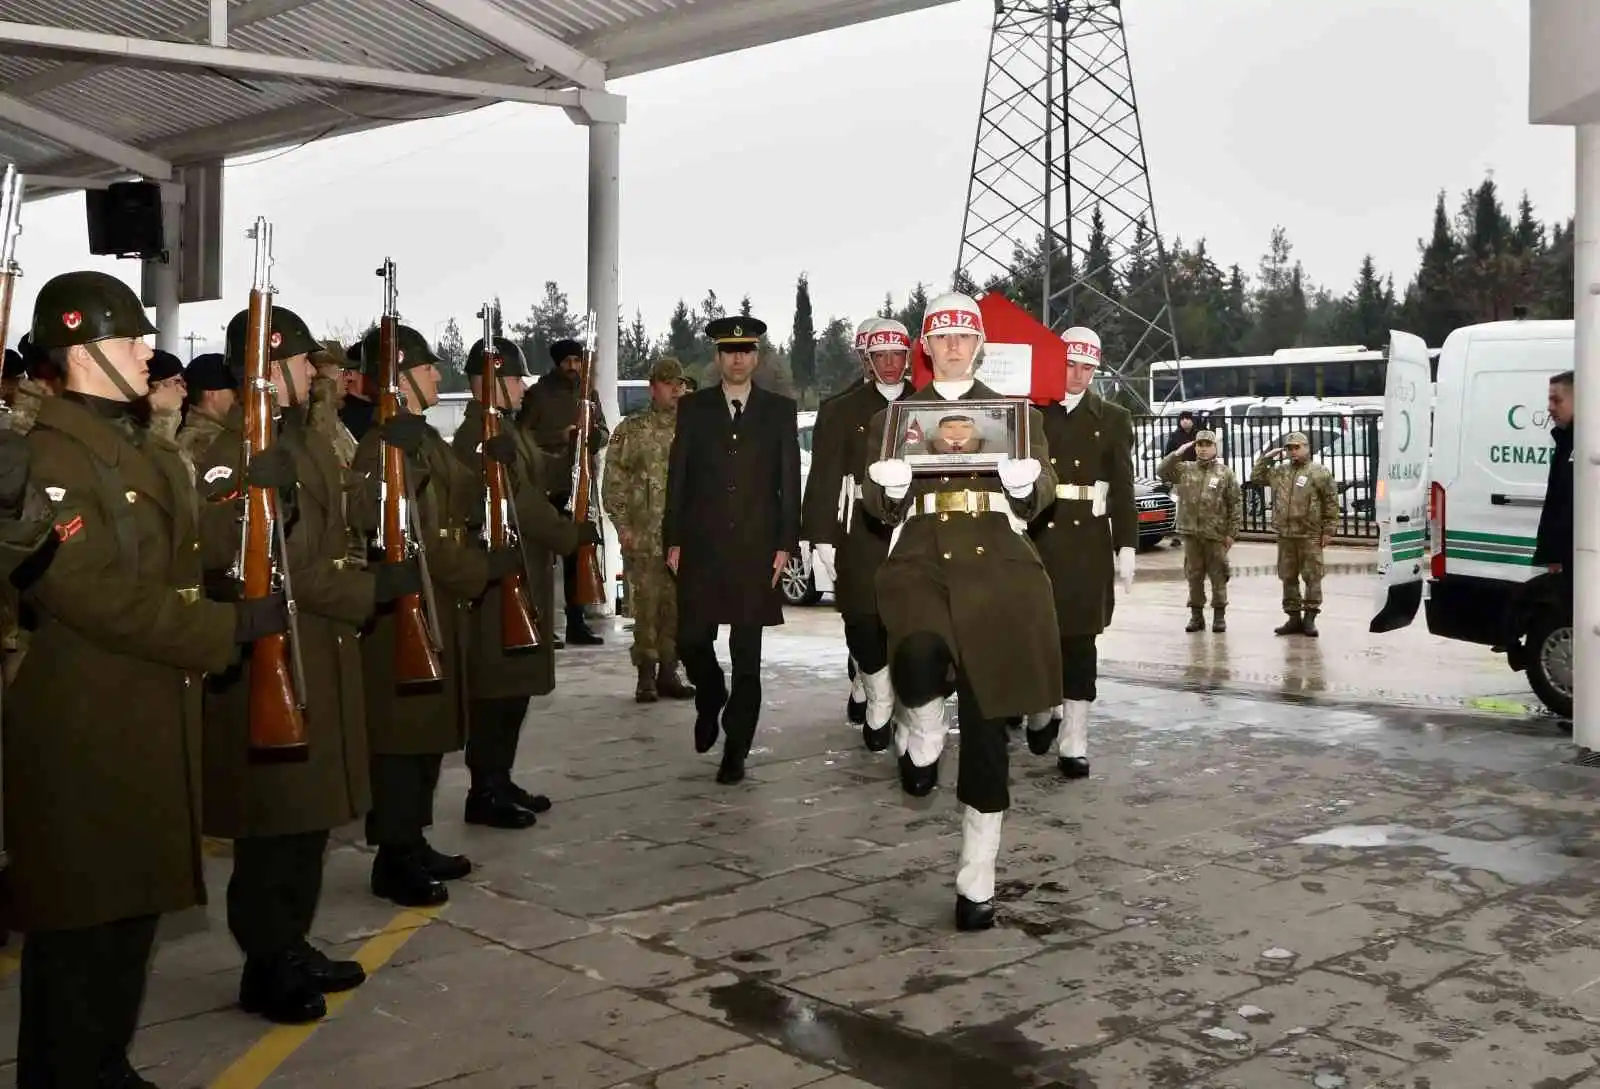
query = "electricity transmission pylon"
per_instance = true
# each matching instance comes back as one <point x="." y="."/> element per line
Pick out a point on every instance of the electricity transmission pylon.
<point x="1059" y="210"/>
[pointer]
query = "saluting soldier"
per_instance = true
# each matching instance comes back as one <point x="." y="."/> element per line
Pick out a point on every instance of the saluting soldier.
<point x="103" y="724"/>
<point x="498" y="684"/>
<point x="1087" y="539"/>
<point x="1305" y="514"/>
<point x="279" y="815"/>
<point x="634" y="495"/>
<point x="966" y="602"/>
<point x="550" y="412"/>
<point x="1210" y="516"/>
<point x="161" y="409"/>
<point x="732" y="521"/>
<point x="410" y="729"/>
<point x="849" y="543"/>
<point x="334" y="370"/>
<point x="213" y="391"/>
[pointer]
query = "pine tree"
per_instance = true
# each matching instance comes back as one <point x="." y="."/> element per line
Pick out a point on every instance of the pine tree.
<point x="1431" y="309"/>
<point x="452" y="351"/>
<point x="803" y="345"/>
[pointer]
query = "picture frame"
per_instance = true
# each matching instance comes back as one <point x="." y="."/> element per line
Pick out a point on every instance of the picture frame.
<point x="966" y="436"/>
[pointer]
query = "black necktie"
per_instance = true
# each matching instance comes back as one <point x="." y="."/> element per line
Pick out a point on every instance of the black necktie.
<point x="738" y="410"/>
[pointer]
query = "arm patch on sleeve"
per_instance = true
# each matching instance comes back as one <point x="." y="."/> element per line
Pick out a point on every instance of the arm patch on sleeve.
<point x="70" y="528"/>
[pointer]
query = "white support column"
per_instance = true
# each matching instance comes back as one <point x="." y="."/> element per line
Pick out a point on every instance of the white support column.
<point x="605" y="214"/>
<point x="1586" y="451"/>
<point x="164" y="276"/>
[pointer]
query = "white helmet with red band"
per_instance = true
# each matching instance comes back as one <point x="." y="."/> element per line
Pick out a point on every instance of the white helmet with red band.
<point x="863" y="331"/>
<point x="888" y="336"/>
<point x="950" y="314"/>
<point x="1083" y="346"/>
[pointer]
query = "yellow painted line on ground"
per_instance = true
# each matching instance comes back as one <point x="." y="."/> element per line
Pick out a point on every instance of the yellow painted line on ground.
<point x="258" y="1064"/>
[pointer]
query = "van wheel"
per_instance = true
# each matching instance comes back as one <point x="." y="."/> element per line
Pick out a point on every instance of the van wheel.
<point x="1550" y="649"/>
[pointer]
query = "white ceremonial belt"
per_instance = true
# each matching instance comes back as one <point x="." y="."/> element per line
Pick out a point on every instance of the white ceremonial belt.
<point x="964" y="502"/>
<point x="1095" y="493"/>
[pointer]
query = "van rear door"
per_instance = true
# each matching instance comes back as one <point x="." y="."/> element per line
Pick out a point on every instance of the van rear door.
<point x="1401" y="503"/>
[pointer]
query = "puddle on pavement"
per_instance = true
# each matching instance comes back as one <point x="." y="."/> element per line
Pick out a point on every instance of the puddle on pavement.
<point x="1521" y="860"/>
<point x="869" y="1048"/>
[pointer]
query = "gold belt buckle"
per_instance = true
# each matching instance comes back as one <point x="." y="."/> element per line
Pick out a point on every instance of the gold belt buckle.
<point x="960" y="502"/>
<point x="189" y="594"/>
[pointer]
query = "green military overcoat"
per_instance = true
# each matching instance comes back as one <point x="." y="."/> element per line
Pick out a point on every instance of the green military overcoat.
<point x="1094" y="442"/>
<point x="973" y="580"/>
<point x="102" y="730"/>
<point x="491" y="673"/>
<point x="839" y="458"/>
<point x="331" y="787"/>
<point x="426" y="719"/>
<point x="549" y="408"/>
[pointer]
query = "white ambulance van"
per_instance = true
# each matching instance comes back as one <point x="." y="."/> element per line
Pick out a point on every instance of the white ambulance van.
<point x="1458" y="516"/>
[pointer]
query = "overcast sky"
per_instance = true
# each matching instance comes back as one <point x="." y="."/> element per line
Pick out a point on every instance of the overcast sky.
<point x="846" y="155"/>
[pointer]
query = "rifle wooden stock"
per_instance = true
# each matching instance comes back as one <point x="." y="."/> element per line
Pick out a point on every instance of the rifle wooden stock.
<point x="591" y="589"/>
<point x="416" y="661"/>
<point x="519" y="622"/>
<point x="277" y="723"/>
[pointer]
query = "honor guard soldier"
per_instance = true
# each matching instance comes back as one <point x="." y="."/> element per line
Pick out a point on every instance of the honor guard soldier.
<point x="499" y="683"/>
<point x="409" y="729"/>
<point x="103" y="723"/>
<point x="359" y="408"/>
<point x="634" y="495"/>
<point x="213" y="393"/>
<point x="279" y="815"/>
<point x="846" y="541"/>
<point x="550" y="411"/>
<point x="1210" y="516"/>
<point x="855" y="708"/>
<point x="966" y="602"/>
<point x="1305" y="514"/>
<point x="732" y="521"/>
<point x="1087" y="539"/>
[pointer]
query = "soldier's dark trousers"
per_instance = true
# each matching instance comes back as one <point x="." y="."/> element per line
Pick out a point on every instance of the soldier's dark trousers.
<point x="921" y="672"/>
<point x="80" y="996"/>
<point x="1080" y="667"/>
<point x="740" y="707"/>
<point x="402" y="798"/>
<point x="493" y="730"/>
<point x="273" y="893"/>
<point x="867" y="640"/>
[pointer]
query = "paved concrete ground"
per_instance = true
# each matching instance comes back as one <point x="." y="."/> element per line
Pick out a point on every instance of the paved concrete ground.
<point x="1248" y="893"/>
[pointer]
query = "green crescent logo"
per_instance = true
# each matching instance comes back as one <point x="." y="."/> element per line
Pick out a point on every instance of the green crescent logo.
<point x="1405" y="443"/>
<point x="1511" y="417"/>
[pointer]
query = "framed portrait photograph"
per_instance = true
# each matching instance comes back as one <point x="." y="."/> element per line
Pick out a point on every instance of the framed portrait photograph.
<point x="973" y="436"/>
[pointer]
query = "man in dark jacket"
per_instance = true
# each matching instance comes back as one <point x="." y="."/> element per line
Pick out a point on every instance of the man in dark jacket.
<point x="1553" y="549"/>
<point x="1182" y="438"/>
<point x="732" y="521"/>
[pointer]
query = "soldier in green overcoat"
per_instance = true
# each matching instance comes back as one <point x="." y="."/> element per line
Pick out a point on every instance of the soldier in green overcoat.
<point x="499" y="684"/>
<point x="103" y="722"/>
<point x="279" y="814"/>
<point x="849" y="543"/>
<point x="966" y="602"/>
<point x="410" y="729"/>
<point x="1087" y="539"/>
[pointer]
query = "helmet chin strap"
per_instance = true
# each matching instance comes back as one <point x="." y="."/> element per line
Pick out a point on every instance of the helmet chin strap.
<point x="111" y="372"/>
<point x="416" y="391"/>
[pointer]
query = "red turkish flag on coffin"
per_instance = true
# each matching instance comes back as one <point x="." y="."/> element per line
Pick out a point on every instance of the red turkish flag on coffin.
<point x="1022" y="357"/>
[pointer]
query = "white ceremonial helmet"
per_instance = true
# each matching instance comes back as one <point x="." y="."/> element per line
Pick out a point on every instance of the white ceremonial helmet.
<point x="889" y="336"/>
<point x="1083" y="346"/>
<point x="952" y="313"/>
<point x="863" y="331"/>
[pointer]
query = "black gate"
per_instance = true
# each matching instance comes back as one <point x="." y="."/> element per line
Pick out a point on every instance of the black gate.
<point x="1347" y="445"/>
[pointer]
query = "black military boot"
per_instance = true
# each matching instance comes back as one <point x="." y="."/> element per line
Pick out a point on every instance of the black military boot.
<point x="120" y="1074"/>
<point x="972" y="915"/>
<point x="1219" y="618"/>
<point x="278" y="990"/>
<point x="855" y="711"/>
<point x="915" y="781"/>
<point x="443" y="867"/>
<point x="1293" y="626"/>
<point x="734" y="751"/>
<point x="534" y="803"/>
<point x="578" y="631"/>
<point x="671" y="685"/>
<point x="645" y="690"/>
<point x="492" y="806"/>
<point x="1308" y="626"/>
<point x="399" y="876"/>
<point x="326" y="974"/>
<point x="1197" y="620"/>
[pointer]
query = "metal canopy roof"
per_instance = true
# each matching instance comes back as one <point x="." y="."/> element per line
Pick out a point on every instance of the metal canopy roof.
<point x="97" y="89"/>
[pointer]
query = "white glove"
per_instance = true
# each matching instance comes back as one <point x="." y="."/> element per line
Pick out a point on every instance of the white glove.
<point x="1019" y="476"/>
<point x="1125" y="565"/>
<point x="822" y="556"/>
<point x="893" y="476"/>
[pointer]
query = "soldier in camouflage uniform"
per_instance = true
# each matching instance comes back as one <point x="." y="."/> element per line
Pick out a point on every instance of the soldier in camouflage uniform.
<point x="1209" y="519"/>
<point x="632" y="492"/>
<point x="213" y="390"/>
<point x="1305" y="512"/>
<point x="327" y="398"/>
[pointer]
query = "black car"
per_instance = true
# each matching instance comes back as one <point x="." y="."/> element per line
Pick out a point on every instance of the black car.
<point x="1158" y="512"/>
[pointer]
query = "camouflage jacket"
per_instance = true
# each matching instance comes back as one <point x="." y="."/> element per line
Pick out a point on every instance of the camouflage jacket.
<point x="1208" y="496"/>
<point x="200" y="429"/>
<point x="633" y="490"/>
<point x="324" y="418"/>
<point x="1304" y="500"/>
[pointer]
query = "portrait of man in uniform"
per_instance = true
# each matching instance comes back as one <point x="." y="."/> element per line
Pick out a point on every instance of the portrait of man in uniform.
<point x="978" y="436"/>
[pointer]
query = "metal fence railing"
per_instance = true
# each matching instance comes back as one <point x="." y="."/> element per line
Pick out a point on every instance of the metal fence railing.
<point x="1347" y="444"/>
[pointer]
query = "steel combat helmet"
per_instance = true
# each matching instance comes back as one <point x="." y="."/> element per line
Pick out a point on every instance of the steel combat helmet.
<point x="83" y="307"/>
